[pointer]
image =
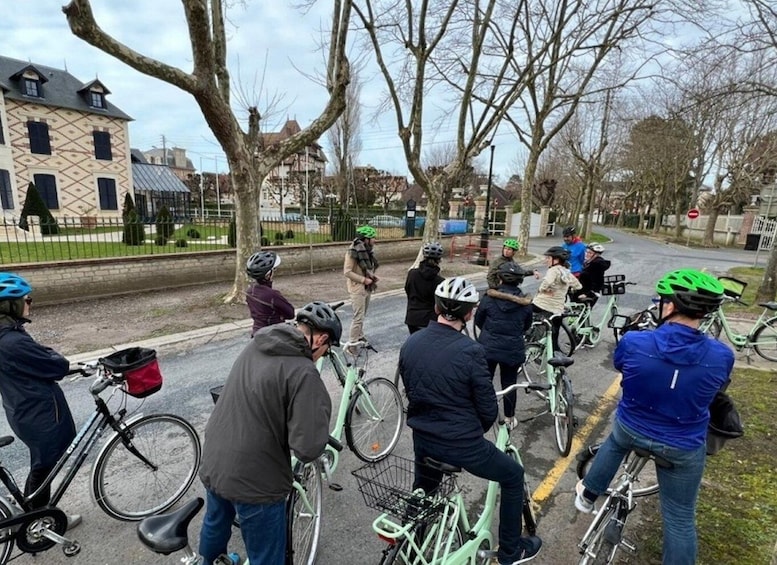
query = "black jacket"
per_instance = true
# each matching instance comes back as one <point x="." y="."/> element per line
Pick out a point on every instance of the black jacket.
<point x="35" y="405"/>
<point x="419" y="287"/>
<point x="451" y="397"/>
<point x="502" y="324"/>
<point x="592" y="275"/>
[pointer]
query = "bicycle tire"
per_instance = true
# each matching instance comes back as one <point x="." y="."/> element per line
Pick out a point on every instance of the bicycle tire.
<point x="713" y="329"/>
<point x="564" y="418"/>
<point x="529" y="520"/>
<point x="566" y="340"/>
<point x="6" y="547"/>
<point x="765" y="340"/>
<point x="584" y="462"/>
<point x="124" y="487"/>
<point x="303" y="530"/>
<point x="372" y="437"/>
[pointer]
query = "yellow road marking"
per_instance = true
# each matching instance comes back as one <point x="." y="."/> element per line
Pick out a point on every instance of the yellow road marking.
<point x="543" y="490"/>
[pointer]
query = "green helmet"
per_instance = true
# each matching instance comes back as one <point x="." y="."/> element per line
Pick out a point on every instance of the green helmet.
<point x="366" y="231"/>
<point x="694" y="293"/>
<point x="511" y="244"/>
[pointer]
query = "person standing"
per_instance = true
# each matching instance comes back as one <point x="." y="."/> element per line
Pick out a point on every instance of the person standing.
<point x="554" y="286"/>
<point x="502" y="324"/>
<point x="419" y="288"/>
<point x="35" y="406"/>
<point x="451" y="403"/>
<point x="509" y="247"/>
<point x="273" y="403"/>
<point x="670" y="376"/>
<point x="576" y="248"/>
<point x="267" y="305"/>
<point x="359" y="270"/>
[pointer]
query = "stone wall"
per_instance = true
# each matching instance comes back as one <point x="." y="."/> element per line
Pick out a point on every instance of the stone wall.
<point x="64" y="281"/>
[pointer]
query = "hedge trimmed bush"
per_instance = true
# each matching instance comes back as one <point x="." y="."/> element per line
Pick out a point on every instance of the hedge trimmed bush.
<point x="165" y="225"/>
<point x="134" y="230"/>
<point x="181" y="243"/>
<point x="160" y="239"/>
<point x="289" y="234"/>
<point x="192" y="233"/>
<point x="265" y="242"/>
<point x="279" y="236"/>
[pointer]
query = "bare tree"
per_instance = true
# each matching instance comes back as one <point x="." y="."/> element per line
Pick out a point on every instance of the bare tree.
<point x="345" y="140"/>
<point x="209" y="84"/>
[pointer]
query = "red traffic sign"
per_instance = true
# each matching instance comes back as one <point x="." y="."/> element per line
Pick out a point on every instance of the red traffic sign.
<point x="693" y="213"/>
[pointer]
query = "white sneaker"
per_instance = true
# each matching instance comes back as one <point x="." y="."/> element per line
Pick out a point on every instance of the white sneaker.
<point x="581" y="502"/>
<point x="511" y="423"/>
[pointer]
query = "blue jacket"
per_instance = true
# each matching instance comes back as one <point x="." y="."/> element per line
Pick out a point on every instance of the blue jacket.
<point x="670" y="376"/>
<point x="502" y="324"/>
<point x="448" y="385"/>
<point x="576" y="254"/>
<point x="35" y="405"/>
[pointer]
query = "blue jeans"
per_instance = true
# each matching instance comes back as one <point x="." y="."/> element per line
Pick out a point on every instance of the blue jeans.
<point x="482" y="459"/>
<point x="263" y="527"/>
<point x="678" y="486"/>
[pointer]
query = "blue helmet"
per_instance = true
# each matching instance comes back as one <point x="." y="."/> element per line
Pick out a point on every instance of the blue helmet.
<point x="13" y="287"/>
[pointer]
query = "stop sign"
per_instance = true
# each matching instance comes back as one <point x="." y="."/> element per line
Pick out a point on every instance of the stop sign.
<point x="693" y="213"/>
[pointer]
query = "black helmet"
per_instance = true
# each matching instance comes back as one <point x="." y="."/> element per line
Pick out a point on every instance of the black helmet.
<point x="569" y="231"/>
<point x="455" y="298"/>
<point x="510" y="273"/>
<point x="432" y="250"/>
<point x="319" y="315"/>
<point x="557" y="252"/>
<point x="261" y="263"/>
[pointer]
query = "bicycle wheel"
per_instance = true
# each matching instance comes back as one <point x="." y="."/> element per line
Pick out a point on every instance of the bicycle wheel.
<point x="649" y="481"/>
<point x="529" y="520"/>
<point x="373" y="423"/>
<point x="712" y="329"/>
<point x="534" y="365"/>
<point x="564" y="418"/>
<point x="128" y="488"/>
<point x="7" y="535"/>
<point x="566" y="340"/>
<point x="765" y="340"/>
<point x="303" y="516"/>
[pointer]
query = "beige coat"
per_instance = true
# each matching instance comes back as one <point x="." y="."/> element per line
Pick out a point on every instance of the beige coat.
<point x="552" y="293"/>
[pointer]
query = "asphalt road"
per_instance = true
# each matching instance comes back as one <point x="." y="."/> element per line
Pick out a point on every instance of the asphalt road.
<point x="191" y="369"/>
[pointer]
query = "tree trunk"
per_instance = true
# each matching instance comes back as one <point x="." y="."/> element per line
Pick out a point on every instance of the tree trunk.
<point x="526" y="202"/>
<point x="709" y="229"/>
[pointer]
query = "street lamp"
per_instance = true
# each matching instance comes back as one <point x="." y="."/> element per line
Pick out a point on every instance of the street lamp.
<point x="484" y="234"/>
<point x="331" y="198"/>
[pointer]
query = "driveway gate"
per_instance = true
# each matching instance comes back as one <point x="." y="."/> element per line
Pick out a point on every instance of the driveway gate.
<point x="767" y="229"/>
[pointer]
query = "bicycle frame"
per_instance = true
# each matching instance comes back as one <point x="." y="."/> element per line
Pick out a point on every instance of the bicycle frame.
<point x="737" y="340"/>
<point x="550" y="372"/>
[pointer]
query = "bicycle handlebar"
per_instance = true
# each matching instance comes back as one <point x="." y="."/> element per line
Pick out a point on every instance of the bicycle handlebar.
<point x="527" y="385"/>
<point x="336" y="306"/>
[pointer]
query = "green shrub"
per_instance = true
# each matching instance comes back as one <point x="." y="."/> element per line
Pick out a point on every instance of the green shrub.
<point x="35" y="206"/>
<point x="160" y="239"/>
<point x="134" y="230"/>
<point x="165" y="225"/>
<point x="278" y="236"/>
<point x="278" y="242"/>
<point x="192" y="233"/>
<point x="265" y="242"/>
<point x="232" y="235"/>
<point x="181" y="243"/>
<point x="289" y="234"/>
<point x="344" y="228"/>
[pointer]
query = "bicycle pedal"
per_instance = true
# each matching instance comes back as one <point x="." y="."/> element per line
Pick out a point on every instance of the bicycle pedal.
<point x="629" y="546"/>
<point x="613" y="532"/>
<point x="336" y="487"/>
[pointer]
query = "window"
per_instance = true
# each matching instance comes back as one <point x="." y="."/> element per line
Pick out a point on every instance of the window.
<point x="102" y="145"/>
<point x="32" y="87"/>
<point x="107" y="191"/>
<point x="47" y="186"/>
<point x="39" y="137"/>
<point x="6" y="198"/>
<point x="96" y="99"/>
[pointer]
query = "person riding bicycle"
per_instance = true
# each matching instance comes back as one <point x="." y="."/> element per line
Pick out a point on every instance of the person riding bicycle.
<point x="554" y="286"/>
<point x="502" y="324"/>
<point x="576" y="248"/>
<point x="273" y="402"/>
<point x="267" y="305"/>
<point x="451" y="403"/>
<point x="509" y="247"/>
<point x="359" y="269"/>
<point x="419" y="288"/>
<point x="592" y="275"/>
<point x="670" y="376"/>
<point x="35" y="406"/>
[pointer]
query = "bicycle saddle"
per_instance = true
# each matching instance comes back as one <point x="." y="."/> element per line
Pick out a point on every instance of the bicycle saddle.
<point x="440" y="466"/>
<point x="660" y="461"/>
<point x="6" y="440"/>
<point x="769" y="305"/>
<point x="167" y="533"/>
<point x="560" y="360"/>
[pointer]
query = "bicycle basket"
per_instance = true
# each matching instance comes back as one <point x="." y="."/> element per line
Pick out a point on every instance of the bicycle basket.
<point x="139" y="369"/>
<point x="387" y="485"/>
<point x="614" y="284"/>
<point x="732" y="287"/>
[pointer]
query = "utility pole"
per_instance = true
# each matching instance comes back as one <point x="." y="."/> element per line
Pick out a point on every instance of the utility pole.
<point x="218" y="190"/>
<point x="484" y="235"/>
<point x="164" y="150"/>
<point x="202" y="191"/>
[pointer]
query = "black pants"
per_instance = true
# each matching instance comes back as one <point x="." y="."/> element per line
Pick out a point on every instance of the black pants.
<point x="35" y="479"/>
<point x="555" y="325"/>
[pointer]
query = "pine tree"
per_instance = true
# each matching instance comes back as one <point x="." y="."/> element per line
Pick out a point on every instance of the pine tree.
<point x="165" y="226"/>
<point x="134" y="230"/>
<point x="128" y="205"/>
<point x="35" y="206"/>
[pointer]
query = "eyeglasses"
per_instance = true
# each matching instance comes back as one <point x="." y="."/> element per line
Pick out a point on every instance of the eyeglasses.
<point x="28" y="299"/>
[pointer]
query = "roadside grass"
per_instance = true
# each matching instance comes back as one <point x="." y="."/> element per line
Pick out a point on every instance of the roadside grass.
<point x="597" y="238"/>
<point x="752" y="276"/>
<point x="737" y="504"/>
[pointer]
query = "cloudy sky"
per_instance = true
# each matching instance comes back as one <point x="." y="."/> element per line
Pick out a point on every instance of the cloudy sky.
<point x="266" y="39"/>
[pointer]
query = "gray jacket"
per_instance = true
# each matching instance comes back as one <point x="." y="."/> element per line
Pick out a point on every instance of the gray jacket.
<point x="273" y="401"/>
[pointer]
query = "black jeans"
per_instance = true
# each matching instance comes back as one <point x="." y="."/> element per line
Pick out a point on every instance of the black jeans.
<point x="555" y="325"/>
<point x="35" y="479"/>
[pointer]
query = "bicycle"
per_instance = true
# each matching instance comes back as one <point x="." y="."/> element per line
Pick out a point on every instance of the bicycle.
<point x="584" y="329"/>
<point x="435" y="528"/>
<point x="146" y="465"/>
<point x="542" y="364"/>
<point x="604" y="536"/>
<point x="762" y="335"/>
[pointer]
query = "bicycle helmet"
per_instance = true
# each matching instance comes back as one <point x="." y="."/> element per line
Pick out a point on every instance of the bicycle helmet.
<point x="432" y="250"/>
<point x="557" y="252"/>
<point x="596" y="247"/>
<point x="13" y="287"/>
<point x="455" y="298"/>
<point x="510" y="273"/>
<point x="693" y="293"/>
<point x="511" y="244"/>
<point x="366" y="232"/>
<point x="319" y="315"/>
<point x="261" y="264"/>
<point x="569" y="231"/>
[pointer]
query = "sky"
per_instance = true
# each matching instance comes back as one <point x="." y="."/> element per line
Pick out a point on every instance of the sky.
<point x="266" y="39"/>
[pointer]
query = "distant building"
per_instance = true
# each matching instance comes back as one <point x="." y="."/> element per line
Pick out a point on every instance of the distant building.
<point x="175" y="158"/>
<point x="156" y="186"/>
<point x="63" y="135"/>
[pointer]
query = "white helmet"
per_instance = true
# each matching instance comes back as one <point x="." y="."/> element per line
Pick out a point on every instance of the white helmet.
<point x="455" y="298"/>
<point x="596" y="247"/>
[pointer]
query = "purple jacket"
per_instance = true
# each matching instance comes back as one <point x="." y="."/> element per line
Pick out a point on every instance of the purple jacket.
<point x="267" y="306"/>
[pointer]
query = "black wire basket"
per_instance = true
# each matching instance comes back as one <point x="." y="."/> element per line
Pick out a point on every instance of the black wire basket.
<point x="387" y="485"/>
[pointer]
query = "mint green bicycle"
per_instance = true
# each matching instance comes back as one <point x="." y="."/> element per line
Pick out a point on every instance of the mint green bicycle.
<point x="587" y="331"/>
<point x="435" y="528"/>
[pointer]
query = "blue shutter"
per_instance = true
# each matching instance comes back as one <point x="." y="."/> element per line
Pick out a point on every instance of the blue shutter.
<point x="6" y="197"/>
<point x="107" y="191"/>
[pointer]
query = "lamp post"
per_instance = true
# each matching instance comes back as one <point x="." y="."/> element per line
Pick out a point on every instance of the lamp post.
<point x="484" y="234"/>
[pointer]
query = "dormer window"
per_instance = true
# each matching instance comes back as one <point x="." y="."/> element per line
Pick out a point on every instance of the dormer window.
<point x="32" y="87"/>
<point x="96" y="99"/>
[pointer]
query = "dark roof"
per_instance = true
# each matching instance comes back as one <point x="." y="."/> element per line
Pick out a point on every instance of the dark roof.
<point x="136" y="155"/>
<point x="156" y="178"/>
<point x="61" y="89"/>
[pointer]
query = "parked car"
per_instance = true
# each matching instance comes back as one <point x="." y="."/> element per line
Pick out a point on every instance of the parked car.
<point x="387" y="222"/>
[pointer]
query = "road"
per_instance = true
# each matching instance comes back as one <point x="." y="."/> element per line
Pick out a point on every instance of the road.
<point x="191" y="369"/>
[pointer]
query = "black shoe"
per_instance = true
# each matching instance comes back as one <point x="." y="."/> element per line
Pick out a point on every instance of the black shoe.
<point x="530" y="547"/>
